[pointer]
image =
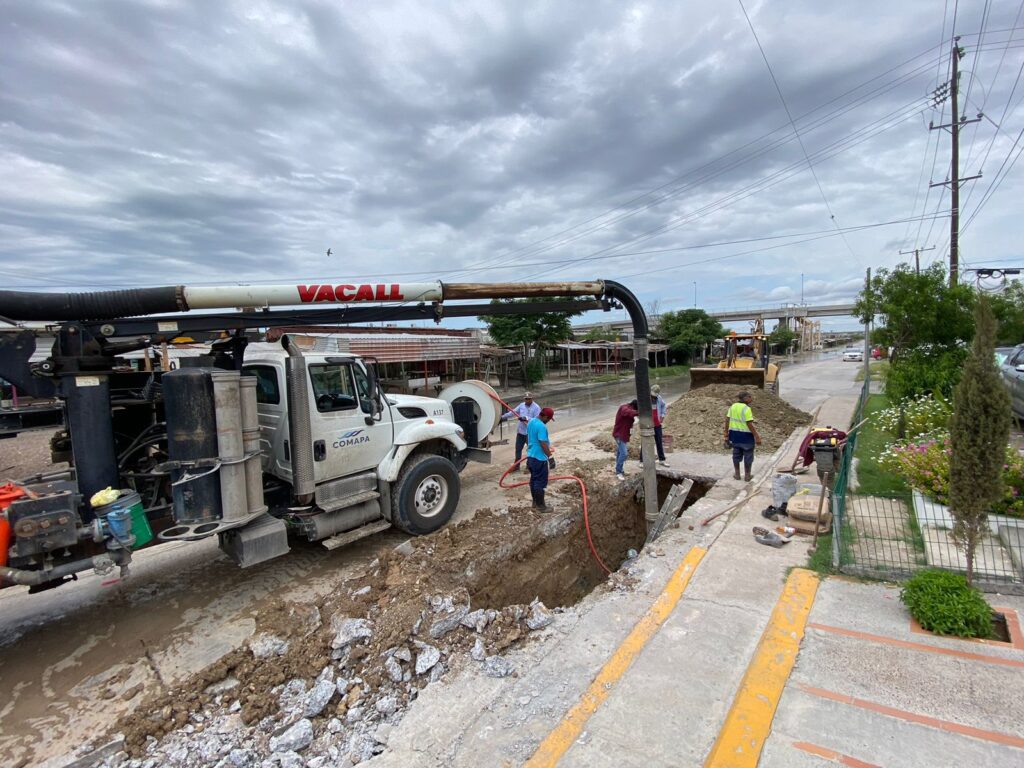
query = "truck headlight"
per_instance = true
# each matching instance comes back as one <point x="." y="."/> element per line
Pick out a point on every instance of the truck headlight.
<point x="461" y="434"/>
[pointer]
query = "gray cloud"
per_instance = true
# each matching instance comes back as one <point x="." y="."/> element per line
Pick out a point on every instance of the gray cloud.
<point x="156" y="142"/>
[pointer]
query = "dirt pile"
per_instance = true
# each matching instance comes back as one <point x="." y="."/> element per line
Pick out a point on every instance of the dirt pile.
<point x="332" y="675"/>
<point x="695" y="421"/>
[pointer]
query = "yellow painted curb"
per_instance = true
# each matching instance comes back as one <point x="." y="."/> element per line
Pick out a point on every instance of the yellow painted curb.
<point x="749" y="721"/>
<point x="562" y="737"/>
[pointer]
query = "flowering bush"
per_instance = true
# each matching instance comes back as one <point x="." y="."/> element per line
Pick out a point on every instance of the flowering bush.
<point x="921" y="415"/>
<point x="924" y="464"/>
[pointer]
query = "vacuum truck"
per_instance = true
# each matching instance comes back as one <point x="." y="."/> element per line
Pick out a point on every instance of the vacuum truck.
<point x="257" y="443"/>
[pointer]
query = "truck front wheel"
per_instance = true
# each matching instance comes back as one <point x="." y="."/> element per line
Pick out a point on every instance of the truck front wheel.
<point x="425" y="494"/>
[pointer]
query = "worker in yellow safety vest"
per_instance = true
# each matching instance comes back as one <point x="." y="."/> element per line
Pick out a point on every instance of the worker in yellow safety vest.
<point x="741" y="434"/>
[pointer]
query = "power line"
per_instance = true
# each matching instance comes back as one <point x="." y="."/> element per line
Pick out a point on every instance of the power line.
<point x="792" y="122"/>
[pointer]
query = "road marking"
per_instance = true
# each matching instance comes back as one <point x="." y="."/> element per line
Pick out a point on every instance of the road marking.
<point x="831" y="754"/>
<point x="912" y="717"/>
<point x="983" y="657"/>
<point x="558" y="742"/>
<point x="749" y="721"/>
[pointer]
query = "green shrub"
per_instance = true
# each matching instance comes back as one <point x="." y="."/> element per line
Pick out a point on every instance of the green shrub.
<point x="943" y="603"/>
<point x="534" y="371"/>
<point x="923" y="371"/>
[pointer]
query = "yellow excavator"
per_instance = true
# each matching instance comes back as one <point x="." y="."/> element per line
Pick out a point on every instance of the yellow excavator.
<point x="746" y="363"/>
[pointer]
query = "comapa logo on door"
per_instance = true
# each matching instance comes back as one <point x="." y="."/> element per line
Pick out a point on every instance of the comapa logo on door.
<point x="355" y="437"/>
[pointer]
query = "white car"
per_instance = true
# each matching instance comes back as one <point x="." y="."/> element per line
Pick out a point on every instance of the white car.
<point x="853" y="355"/>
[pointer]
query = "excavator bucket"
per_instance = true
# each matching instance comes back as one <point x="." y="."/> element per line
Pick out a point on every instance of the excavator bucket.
<point x="742" y="377"/>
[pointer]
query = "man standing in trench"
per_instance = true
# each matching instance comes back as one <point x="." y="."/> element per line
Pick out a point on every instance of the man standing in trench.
<point x="538" y="456"/>
<point x="741" y="434"/>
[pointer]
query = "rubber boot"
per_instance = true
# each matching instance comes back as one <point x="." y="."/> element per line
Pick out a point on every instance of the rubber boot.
<point x="746" y="475"/>
<point x="736" y="471"/>
<point x="538" y="501"/>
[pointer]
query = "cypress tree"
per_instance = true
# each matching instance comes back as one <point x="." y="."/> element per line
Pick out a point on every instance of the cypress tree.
<point x="979" y="433"/>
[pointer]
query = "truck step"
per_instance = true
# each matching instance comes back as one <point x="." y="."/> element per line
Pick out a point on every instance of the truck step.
<point x="348" y="537"/>
<point x="333" y="505"/>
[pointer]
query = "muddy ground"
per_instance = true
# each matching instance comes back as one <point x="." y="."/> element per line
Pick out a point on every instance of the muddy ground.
<point x="79" y="659"/>
<point x="461" y="596"/>
<point x="695" y="421"/>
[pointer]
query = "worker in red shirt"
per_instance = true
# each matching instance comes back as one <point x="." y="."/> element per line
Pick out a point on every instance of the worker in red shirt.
<point x="624" y="419"/>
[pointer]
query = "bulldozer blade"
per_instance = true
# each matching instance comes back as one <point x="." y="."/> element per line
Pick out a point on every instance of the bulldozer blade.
<point x="743" y="377"/>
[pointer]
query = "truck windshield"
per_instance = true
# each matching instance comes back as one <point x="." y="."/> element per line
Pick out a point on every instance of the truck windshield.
<point x="333" y="388"/>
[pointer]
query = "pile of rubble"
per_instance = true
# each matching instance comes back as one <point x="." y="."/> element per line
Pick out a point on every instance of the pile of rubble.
<point x="323" y="684"/>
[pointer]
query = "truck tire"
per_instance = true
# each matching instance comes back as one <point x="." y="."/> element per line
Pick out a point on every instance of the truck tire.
<point x="425" y="494"/>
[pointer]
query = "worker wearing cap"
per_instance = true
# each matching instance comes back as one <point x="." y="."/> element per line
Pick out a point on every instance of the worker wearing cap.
<point x="741" y="434"/>
<point x="538" y="456"/>
<point x="525" y="411"/>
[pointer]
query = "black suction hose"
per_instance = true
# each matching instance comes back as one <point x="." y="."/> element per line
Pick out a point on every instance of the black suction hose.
<point x="97" y="305"/>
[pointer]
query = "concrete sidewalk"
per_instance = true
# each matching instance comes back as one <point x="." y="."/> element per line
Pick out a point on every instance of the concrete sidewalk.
<point x="668" y="705"/>
<point x="870" y="690"/>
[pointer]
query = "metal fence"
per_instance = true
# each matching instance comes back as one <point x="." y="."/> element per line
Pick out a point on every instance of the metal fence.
<point x="892" y="537"/>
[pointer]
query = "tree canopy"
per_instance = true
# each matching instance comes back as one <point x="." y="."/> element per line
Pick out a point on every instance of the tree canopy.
<point x="782" y="337"/>
<point x="918" y="310"/>
<point x="689" y="330"/>
<point x="533" y="330"/>
<point x="1008" y="308"/>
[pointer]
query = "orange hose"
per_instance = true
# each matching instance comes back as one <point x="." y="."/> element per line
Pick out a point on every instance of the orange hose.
<point x="583" y="492"/>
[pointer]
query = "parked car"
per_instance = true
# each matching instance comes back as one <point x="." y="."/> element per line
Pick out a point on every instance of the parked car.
<point x="1002" y="353"/>
<point x="853" y="355"/>
<point x="1012" y="371"/>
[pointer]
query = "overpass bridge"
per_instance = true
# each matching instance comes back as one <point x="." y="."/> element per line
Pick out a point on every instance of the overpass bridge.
<point x="789" y="314"/>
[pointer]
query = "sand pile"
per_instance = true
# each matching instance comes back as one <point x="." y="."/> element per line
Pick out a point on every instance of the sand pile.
<point x="695" y="421"/>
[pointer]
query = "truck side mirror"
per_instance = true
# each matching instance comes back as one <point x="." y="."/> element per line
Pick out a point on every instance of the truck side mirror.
<point x="374" y="393"/>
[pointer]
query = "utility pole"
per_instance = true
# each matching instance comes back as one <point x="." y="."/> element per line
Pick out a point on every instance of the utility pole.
<point x="955" y="123"/>
<point x="917" y="257"/>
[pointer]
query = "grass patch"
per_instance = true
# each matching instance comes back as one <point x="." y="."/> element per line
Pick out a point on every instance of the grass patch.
<point x="879" y="369"/>
<point x="655" y="374"/>
<point x="871" y="478"/>
<point x="821" y="560"/>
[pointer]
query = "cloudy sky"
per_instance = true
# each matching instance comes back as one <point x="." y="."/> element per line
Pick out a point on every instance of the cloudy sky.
<point x="166" y="142"/>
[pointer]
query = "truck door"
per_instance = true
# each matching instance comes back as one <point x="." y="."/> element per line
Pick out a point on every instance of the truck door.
<point x="270" y="405"/>
<point x="346" y="437"/>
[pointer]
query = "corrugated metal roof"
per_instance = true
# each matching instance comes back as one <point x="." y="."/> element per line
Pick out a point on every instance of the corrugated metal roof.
<point x="393" y="347"/>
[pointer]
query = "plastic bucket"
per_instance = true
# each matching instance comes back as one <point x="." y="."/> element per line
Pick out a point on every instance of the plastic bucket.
<point x="126" y="517"/>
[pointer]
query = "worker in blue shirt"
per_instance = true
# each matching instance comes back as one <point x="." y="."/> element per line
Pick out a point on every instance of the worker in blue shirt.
<point x="525" y="411"/>
<point x="538" y="456"/>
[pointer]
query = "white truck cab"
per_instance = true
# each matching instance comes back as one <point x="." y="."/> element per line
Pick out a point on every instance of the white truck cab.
<point x="374" y="455"/>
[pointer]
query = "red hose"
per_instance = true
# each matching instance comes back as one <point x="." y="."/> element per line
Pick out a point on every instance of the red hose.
<point x="583" y="492"/>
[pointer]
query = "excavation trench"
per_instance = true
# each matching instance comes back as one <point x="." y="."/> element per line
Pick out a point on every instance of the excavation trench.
<point x="497" y="563"/>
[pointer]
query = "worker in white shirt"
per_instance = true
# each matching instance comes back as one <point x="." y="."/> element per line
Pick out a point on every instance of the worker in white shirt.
<point x="525" y="411"/>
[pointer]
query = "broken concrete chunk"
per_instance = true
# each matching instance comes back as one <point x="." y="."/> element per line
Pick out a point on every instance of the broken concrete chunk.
<point x="318" y="698"/>
<point x="354" y="715"/>
<point x="405" y="548"/>
<point x="447" y="623"/>
<point x="361" y="591"/>
<point x="383" y="733"/>
<point x="334" y="725"/>
<point x="498" y="666"/>
<point x="267" y="646"/>
<point x="403" y="654"/>
<point x="348" y="630"/>
<point x="386" y="705"/>
<point x="479" y="652"/>
<point x="426" y="658"/>
<point x="437" y="672"/>
<point x="394" y="669"/>
<point x="476" y="620"/>
<point x="222" y="686"/>
<point x="292" y="695"/>
<point x="539" y="616"/>
<point x="241" y="758"/>
<point x="295" y="739"/>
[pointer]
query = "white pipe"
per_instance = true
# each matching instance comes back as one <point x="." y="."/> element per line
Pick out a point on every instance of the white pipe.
<point x="312" y="293"/>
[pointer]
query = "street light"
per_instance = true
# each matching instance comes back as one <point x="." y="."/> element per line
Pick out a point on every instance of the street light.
<point x="801" y="287"/>
<point x="694" y="294"/>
